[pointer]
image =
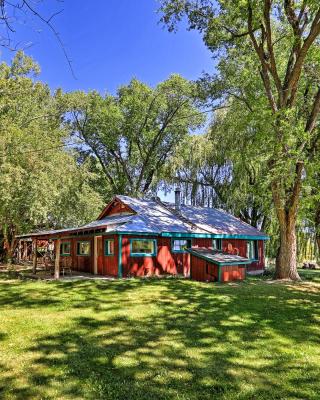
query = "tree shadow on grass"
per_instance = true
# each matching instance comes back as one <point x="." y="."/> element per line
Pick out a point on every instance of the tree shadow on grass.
<point x="201" y="344"/>
<point x="65" y="294"/>
<point x="176" y="339"/>
<point x="9" y="388"/>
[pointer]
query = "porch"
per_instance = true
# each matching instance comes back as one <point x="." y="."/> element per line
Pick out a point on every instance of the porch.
<point x="47" y="258"/>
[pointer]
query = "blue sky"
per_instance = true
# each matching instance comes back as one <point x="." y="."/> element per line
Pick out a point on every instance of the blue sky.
<point x="109" y="42"/>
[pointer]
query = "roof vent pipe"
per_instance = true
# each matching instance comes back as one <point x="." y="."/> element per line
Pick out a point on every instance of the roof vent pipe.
<point x="177" y="198"/>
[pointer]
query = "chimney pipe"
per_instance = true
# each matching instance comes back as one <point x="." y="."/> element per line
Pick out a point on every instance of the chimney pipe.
<point x="177" y="198"/>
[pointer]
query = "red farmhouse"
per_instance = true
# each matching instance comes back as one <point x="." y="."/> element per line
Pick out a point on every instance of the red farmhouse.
<point x="144" y="237"/>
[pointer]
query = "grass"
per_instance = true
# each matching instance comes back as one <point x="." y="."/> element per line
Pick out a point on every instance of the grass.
<point x="160" y="339"/>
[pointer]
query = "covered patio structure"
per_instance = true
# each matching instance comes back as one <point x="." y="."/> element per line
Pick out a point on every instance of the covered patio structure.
<point x="67" y="249"/>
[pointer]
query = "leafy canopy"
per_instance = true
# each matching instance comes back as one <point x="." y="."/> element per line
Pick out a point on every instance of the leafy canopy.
<point x="132" y="134"/>
<point x="41" y="184"/>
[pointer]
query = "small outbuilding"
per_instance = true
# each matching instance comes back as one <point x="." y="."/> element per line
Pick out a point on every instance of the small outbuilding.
<point x="211" y="265"/>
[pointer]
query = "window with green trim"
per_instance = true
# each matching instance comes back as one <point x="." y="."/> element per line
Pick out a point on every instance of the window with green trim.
<point x="252" y="250"/>
<point x="143" y="247"/>
<point x="180" y="245"/>
<point x="216" y="244"/>
<point x="109" y="247"/>
<point x="65" y="248"/>
<point x="83" y="248"/>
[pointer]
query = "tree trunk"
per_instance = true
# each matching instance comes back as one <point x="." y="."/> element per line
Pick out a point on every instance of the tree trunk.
<point x="286" y="204"/>
<point x="318" y="243"/>
<point x="317" y="225"/>
<point x="9" y="242"/>
<point x="286" y="261"/>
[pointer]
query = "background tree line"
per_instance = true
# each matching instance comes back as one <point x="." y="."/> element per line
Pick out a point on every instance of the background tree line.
<point x="65" y="154"/>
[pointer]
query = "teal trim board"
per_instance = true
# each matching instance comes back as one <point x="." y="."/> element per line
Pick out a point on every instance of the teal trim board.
<point x="186" y="235"/>
<point x="63" y="253"/>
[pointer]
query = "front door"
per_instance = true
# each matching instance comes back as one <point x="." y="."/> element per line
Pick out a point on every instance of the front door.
<point x="100" y="255"/>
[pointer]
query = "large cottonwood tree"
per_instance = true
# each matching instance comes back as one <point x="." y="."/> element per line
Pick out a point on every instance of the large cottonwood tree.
<point x="278" y="43"/>
<point x="132" y="134"/>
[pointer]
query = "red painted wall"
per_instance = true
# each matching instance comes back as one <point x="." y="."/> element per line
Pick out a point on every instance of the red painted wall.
<point x="117" y="207"/>
<point x="165" y="262"/>
<point x="239" y="246"/>
<point x="203" y="271"/>
<point x="233" y="273"/>
<point x="78" y="263"/>
<point x="107" y="265"/>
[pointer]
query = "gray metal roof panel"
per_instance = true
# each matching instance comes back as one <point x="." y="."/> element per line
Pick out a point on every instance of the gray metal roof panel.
<point x="218" y="221"/>
<point x="108" y="222"/>
<point x="153" y="217"/>
<point x="208" y="220"/>
<point x="218" y="257"/>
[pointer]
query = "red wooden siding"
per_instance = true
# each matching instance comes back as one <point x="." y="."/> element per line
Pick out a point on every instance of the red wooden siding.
<point x="82" y="263"/>
<point x="107" y="265"/>
<point x="165" y="262"/>
<point x="201" y="270"/>
<point x="66" y="261"/>
<point x="78" y="263"/>
<point x="260" y="263"/>
<point x="205" y="271"/>
<point x="115" y="207"/>
<point x="239" y="246"/>
<point x="232" y="273"/>
<point x="201" y="242"/>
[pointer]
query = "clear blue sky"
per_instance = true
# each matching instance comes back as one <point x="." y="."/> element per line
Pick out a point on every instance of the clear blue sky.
<point x="109" y="42"/>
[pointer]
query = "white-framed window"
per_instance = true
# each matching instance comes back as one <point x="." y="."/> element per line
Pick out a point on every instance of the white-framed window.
<point x="252" y="250"/>
<point x="180" y="245"/>
<point x="109" y="247"/>
<point x="217" y="244"/>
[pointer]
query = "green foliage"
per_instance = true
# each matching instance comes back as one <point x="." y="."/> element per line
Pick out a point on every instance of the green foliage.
<point x="42" y="185"/>
<point x="269" y="61"/>
<point x="223" y="170"/>
<point x="132" y="134"/>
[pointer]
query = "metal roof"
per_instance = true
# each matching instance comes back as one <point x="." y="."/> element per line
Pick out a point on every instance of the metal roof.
<point x="154" y="216"/>
<point x="218" y="221"/>
<point x="108" y="223"/>
<point x="218" y="257"/>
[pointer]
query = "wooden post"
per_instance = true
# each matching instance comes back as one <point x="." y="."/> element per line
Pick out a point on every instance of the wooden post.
<point x="19" y="251"/>
<point x="35" y="251"/>
<point x="95" y="255"/>
<point x="25" y="251"/>
<point x="57" y="260"/>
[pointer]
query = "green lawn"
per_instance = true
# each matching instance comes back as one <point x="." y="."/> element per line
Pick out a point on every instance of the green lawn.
<point x="160" y="339"/>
